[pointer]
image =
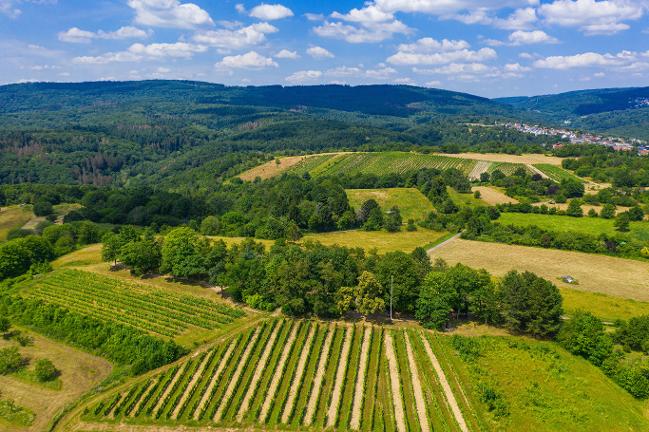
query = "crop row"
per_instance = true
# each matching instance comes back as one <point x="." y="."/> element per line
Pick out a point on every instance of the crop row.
<point x="298" y="375"/>
<point x="145" y="308"/>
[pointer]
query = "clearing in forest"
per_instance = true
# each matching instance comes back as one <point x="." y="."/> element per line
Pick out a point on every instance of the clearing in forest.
<point x="411" y="202"/>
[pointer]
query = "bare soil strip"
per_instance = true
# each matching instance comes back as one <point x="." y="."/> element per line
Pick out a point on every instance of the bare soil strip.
<point x="234" y="381"/>
<point x="395" y="385"/>
<point x="336" y="394"/>
<point x="359" y="390"/>
<point x="168" y="390"/>
<point x="450" y="397"/>
<point x="138" y="404"/>
<point x="317" y="380"/>
<point x="121" y="400"/>
<point x="190" y="387"/>
<point x="259" y="370"/>
<point x="215" y="379"/>
<point x="277" y="377"/>
<point x="299" y="373"/>
<point x="416" y="386"/>
<point x="479" y="168"/>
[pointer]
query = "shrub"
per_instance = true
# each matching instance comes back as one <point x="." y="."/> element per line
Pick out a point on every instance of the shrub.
<point x="10" y="360"/>
<point x="45" y="371"/>
<point x="43" y="208"/>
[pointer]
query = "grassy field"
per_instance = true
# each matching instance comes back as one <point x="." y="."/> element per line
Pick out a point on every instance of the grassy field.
<point x="623" y="282"/>
<point x="381" y="240"/>
<point x="13" y="217"/>
<point x="493" y="196"/>
<point x="157" y="311"/>
<point x="80" y="372"/>
<point x="536" y="386"/>
<point x="411" y="202"/>
<point x="272" y="168"/>
<point x="294" y="374"/>
<point x="585" y="225"/>
<point x="464" y="199"/>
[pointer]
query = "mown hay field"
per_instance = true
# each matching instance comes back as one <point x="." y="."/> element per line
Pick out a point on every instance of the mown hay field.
<point x="382" y="241"/>
<point x="79" y="372"/>
<point x="411" y="202"/>
<point x="619" y="280"/>
<point x="524" y="159"/>
<point x="13" y="217"/>
<point x="493" y="196"/>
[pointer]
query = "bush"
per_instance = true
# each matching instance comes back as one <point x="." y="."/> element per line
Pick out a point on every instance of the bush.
<point x="45" y="371"/>
<point x="10" y="360"/>
<point x="584" y="335"/>
<point x="43" y="208"/>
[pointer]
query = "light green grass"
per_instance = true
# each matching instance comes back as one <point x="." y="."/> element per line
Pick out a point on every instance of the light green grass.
<point x="464" y="199"/>
<point x="584" y="225"/>
<point x="557" y="173"/>
<point x="607" y="308"/>
<point x="543" y="387"/>
<point x="14" y="415"/>
<point x="13" y="217"/>
<point x="382" y="241"/>
<point x="411" y="202"/>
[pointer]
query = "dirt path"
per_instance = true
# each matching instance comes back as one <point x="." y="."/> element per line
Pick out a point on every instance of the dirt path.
<point x="190" y="387"/>
<point x="336" y="394"/>
<point x="277" y="377"/>
<point x="359" y="390"/>
<point x="140" y="401"/>
<point x="259" y="370"/>
<point x="168" y="390"/>
<point x="317" y="381"/>
<point x="234" y="381"/>
<point x="416" y="387"/>
<point x="299" y="373"/>
<point x="450" y="397"/>
<point x="444" y="243"/>
<point x="395" y="385"/>
<point x="215" y="379"/>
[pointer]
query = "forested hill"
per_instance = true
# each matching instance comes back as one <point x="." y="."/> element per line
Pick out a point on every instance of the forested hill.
<point x="620" y="111"/>
<point x="172" y="133"/>
<point x="390" y="100"/>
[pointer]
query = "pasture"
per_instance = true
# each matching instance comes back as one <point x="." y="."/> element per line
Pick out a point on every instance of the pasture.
<point x="534" y="385"/>
<point x="80" y="372"/>
<point x="623" y="282"/>
<point x="300" y="375"/>
<point x="382" y="241"/>
<point x="13" y="217"/>
<point x="158" y="311"/>
<point x="584" y="225"/>
<point x="411" y="202"/>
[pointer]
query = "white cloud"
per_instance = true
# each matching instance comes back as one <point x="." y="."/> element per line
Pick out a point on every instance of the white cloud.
<point x="583" y="60"/>
<point x="521" y="37"/>
<point x="270" y="12"/>
<point x="381" y="73"/>
<point x="169" y="13"/>
<point x="520" y="19"/>
<point x="175" y="50"/>
<point x="456" y="69"/>
<point x="318" y="52"/>
<point x="593" y="17"/>
<point x="314" y="17"/>
<point x="76" y="35"/>
<point x="369" y="24"/>
<point x="244" y="37"/>
<point x="8" y="8"/>
<point x="110" y="57"/>
<point x="286" y="54"/>
<point x="249" y="60"/>
<point x="344" y="71"/>
<point x="303" y="76"/>
<point x="428" y="51"/>
<point x="240" y="8"/>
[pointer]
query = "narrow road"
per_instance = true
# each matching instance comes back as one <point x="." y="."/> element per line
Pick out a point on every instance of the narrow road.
<point x="443" y="243"/>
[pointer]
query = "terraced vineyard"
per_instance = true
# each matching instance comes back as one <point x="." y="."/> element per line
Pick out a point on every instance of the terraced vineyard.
<point x="146" y="308"/>
<point x="300" y="375"/>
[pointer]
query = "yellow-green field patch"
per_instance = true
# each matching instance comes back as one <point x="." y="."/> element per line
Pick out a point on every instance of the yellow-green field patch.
<point x="411" y="202"/>
<point x="13" y="217"/>
<point x="383" y="241"/>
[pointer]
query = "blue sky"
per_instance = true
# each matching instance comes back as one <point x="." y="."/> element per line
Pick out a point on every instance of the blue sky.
<point x="487" y="47"/>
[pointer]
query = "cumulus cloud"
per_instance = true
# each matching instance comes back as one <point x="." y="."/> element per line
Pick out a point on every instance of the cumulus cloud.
<point x="429" y="51"/>
<point x="286" y="54"/>
<point x="270" y="12"/>
<point x="8" y="8"/>
<point x="169" y="13"/>
<point x="317" y="52"/>
<point x="138" y="51"/>
<point x="110" y="57"/>
<point x="521" y="37"/>
<point x="369" y="24"/>
<point x="593" y="17"/>
<point x="589" y="60"/>
<point x="303" y="76"/>
<point x="249" y="60"/>
<point x="76" y="35"/>
<point x="226" y="39"/>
